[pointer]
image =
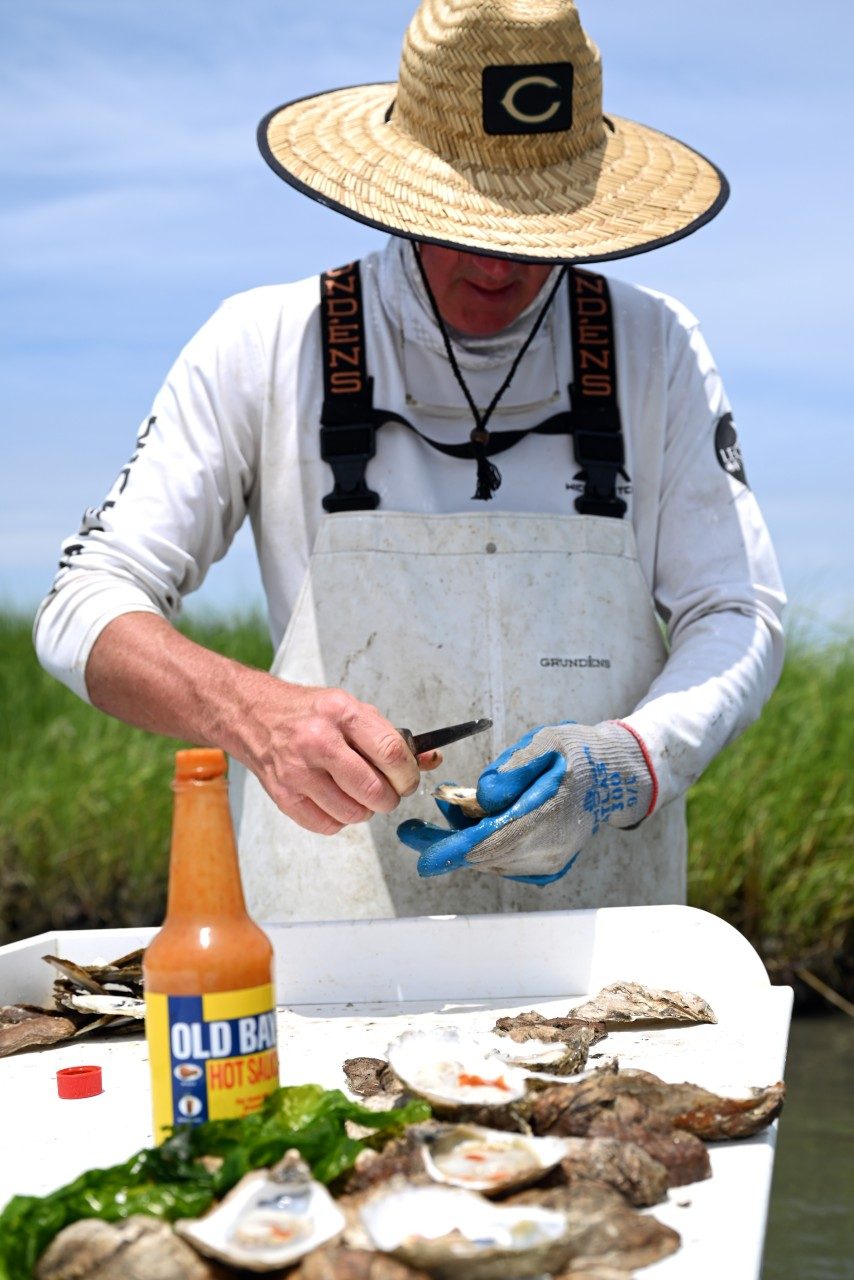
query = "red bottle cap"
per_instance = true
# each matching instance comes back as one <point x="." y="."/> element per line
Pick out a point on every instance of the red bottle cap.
<point x="79" y="1082"/>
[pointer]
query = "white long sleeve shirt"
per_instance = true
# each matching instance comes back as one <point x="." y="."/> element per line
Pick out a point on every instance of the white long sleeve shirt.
<point x="234" y="431"/>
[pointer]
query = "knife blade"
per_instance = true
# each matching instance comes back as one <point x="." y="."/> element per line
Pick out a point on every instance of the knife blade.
<point x="418" y="743"/>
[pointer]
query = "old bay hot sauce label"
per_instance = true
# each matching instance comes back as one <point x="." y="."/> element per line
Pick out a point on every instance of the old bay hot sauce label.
<point x="213" y="1057"/>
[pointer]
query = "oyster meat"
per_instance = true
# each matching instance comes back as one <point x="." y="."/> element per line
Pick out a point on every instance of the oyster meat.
<point x="448" y="1069"/>
<point x="465" y="799"/>
<point x="489" y="1160"/>
<point x="530" y="1032"/>
<point x="272" y="1218"/>
<point x="454" y="1234"/>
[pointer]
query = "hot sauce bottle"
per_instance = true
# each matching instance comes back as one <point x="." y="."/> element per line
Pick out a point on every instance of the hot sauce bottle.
<point x="210" y="1016"/>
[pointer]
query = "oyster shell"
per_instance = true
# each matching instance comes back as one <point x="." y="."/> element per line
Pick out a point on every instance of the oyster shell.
<point x="116" y="1006"/>
<point x="272" y="1218"/>
<point x="453" y="1233"/>
<point x="465" y="798"/>
<point x="552" y="1057"/>
<point x="138" y="1248"/>
<point x="627" y="1002"/>
<point x="489" y="1160"/>
<point x="449" y="1069"/>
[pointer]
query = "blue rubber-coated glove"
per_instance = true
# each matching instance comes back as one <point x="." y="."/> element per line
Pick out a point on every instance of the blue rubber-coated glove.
<point x="544" y="799"/>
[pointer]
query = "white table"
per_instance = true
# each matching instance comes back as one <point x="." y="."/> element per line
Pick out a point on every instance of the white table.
<point x="347" y="988"/>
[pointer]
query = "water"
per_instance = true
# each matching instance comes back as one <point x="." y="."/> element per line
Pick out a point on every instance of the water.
<point x="811" y="1219"/>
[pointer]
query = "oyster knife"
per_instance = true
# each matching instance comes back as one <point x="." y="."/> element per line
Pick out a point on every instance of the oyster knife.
<point x="421" y="742"/>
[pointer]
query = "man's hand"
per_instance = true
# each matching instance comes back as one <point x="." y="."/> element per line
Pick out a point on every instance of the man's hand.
<point x="544" y="799"/>
<point x="325" y="758"/>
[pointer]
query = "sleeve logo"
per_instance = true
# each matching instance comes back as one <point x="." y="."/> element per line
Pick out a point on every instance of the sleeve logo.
<point x="728" y="450"/>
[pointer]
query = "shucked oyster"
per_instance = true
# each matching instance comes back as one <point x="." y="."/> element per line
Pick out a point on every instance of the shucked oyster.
<point x="449" y="1070"/>
<point x="556" y="1057"/>
<point x="453" y="1070"/>
<point x="453" y="1233"/>
<point x="489" y="1160"/>
<point x="273" y="1217"/>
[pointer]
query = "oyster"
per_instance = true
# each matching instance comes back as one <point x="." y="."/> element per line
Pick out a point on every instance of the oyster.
<point x="86" y="998"/>
<point x="338" y="1262"/>
<point x="601" y="1225"/>
<point x="28" y="1027"/>
<point x="489" y="1160"/>
<point x="400" y="1157"/>
<point x="465" y="798"/>
<point x="627" y="1002"/>
<point x="625" y="1166"/>
<point x="114" y="1006"/>
<point x="548" y="1056"/>
<point x="139" y="1248"/>
<point x="371" y="1077"/>
<point x="272" y="1218"/>
<point x="576" y="1036"/>
<point x="454" y="1233"/>
<point x="449" y="1069"/>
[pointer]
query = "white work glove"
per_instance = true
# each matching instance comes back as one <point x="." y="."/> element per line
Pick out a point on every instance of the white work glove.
<point x="544" y="799"/>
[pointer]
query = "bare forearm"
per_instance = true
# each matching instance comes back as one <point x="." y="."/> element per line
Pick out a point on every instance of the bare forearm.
<point x="146" y="673"/>
<point x="324" y="757"/>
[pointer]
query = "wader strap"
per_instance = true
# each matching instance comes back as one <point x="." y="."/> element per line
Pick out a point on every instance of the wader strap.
<point x="349" y="421"/>
<point x="347" y="432"/>
<point x="597" y="430"/>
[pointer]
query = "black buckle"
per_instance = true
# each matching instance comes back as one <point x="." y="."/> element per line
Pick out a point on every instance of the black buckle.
<point x="593" y="446"/>
<point x="348" y="449"/>
<point x="595" y="505"/>
<point x="601" y="455"/>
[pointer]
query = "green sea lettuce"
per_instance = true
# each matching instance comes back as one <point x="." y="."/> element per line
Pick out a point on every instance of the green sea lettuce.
<point x="171" y="1181"/>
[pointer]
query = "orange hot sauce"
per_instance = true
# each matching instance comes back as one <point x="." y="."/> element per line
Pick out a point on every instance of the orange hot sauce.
<point x="210" y="1016"/>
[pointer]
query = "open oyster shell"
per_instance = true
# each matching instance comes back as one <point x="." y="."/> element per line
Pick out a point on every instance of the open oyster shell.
<point x="489" y="1160"/>
<point x="551" y="1056"/>
<point x="453" y="1070"/>
<point x="458" y="1235"/>
<point x="272" y="1218"/>
<point x="448" y="1069"/>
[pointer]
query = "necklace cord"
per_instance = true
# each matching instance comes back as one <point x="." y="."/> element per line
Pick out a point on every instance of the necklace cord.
<point x="488" y="475"/>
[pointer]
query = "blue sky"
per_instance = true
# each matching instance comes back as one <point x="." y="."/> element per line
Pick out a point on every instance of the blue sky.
<point x="133" y="200"/>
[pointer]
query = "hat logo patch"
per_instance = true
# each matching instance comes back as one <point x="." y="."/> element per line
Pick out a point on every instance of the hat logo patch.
<point x="532" y="98"/>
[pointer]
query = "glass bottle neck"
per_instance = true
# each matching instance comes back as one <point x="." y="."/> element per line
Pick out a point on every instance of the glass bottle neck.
<point x="204" y="874"/>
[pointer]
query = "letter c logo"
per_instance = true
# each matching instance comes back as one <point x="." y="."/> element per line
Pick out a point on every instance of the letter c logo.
<point x="508" y="102"/>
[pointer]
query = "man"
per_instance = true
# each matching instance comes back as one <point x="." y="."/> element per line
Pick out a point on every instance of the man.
<point x="480" y="483"/>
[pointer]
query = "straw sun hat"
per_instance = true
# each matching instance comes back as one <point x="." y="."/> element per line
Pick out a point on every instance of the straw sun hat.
<point x="494" y="140"/>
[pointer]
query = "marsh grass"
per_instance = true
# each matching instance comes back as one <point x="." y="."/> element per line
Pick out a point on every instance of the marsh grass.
<point x="771" y="820"/>
<point x="85" y="806"/>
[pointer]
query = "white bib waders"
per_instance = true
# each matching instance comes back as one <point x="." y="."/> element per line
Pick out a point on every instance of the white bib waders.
<point x="435" y="619"/>
<point x="527" y="619"/>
